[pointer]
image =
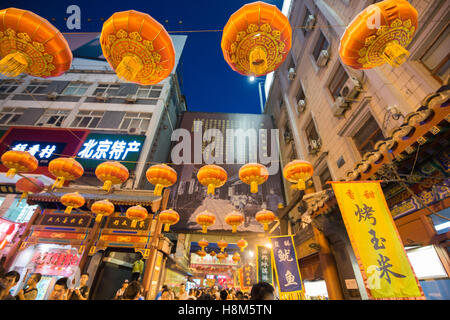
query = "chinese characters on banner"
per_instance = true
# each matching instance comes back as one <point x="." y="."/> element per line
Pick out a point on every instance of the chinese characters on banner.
<point x="125" y="223"/>
<point x="286" y="268"/>
<point x="43" y="151"/>
<point x="264" y="264"/>
<point x="248" y="275"/>
<point x="381" y="256"/>
<point x="66" y="220"/>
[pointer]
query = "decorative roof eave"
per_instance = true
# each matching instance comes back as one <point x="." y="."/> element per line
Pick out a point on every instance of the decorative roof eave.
<point x="434" y="111"/>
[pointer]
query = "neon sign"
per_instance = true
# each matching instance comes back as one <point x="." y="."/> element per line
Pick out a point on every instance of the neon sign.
<point x="43" y="151"/>
<point x="55" y="259"/>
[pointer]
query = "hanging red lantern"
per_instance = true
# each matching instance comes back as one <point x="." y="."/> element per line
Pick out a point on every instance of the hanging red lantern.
<point x="298" y="171"/>
<point x="169" y="217"/>
<point x="102" y="208"/>
<point x="136" y="213"/>
<point x="242" y="244"/>
<point x="29" y="185"/>
<point x="222" y="244"/>
<point x="365" y="45"/>
<point x="18" y="161"/>
<point x="205" y="219"/>
<point x="111" y="172"/>
<point x="256" y="39"/>
<point x="72" y="200"/>
<point x="137" y="47"/>
<point x="212" y="176"/>
<point x="203" y="243"/>
<point x="234" y="219"/>
<point x="212" y="253"/>
<point x="201" y="253"/>
<point x="161" y="176"/>
<point x="30" y="44"/>
<point x="65" y="169"/>
<point x="265" y="217"/>
<point x="220" y="256"/>
<point x="253" y="174"/>
<point x="236" y="257"/>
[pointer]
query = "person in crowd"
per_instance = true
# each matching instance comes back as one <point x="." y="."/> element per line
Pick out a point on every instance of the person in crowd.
<point x="138" y="268"/>
<point x="59" y="290"/>
<point x="133" y="291"/>
<point x="158" y="296"/>
<point x="273" y="200"/>
<point x="172" y="294"/>
<point x="182" y="295"/>
<point x="82" y="292"/>
<point x="9" y="280"/>
<point x="141" y="294"/>
<point x="165" y="294"/>
<point x="121" y="290"/>
<point x="191" y="295"/>
<point x="262" y="291"/>
<point x="223" y="294"/>
<point x="206" y="296"/>
<point x="239" y="295"/>
<point x="29" y="291"/>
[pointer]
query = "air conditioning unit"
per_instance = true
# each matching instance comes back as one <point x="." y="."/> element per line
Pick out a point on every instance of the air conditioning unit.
<point x="135" y="131"/>
<point x="291" y="74"/>
<point x="351" y="89"/>
<point x="339" y="106"/>
<point x="310" y="21"/>
<point x="131" y="98"/>
<point x="52" y="95"/>
<point x="301" y="105"/>
<point x="314" y="146"/>
<point x="101" y="96"/>
<point x="323" y="58"/>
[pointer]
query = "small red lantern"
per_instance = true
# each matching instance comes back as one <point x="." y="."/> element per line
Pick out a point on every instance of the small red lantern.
<point x="29" y="185"/>
<point x="242" y="244"/>
<point x="203" y="243"/>
<point x="220" y="256"/>
<point x="201" y="253"/>
<point x="169" y="217"/>
<point x="222" y="244"/>
<point x="234" y="219"/>
<point x="205" y="219"/>
<point x="236" y="257"/>
<point x="212" y="253"/>
<point x="102" y="208"/>
<point x="265" y="217"/>
<point x="72" y="200"/>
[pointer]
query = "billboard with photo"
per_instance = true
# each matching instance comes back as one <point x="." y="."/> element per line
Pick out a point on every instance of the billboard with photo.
<point x="230" y="141"/>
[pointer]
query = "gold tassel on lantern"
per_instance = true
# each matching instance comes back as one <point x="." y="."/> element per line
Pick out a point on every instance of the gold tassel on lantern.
<point x="258" y="60"/>
<point x="13" y="64"/>
<point x="129" y="67"/>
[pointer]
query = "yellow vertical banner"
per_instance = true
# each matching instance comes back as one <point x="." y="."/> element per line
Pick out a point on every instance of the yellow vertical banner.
<point x="382" y="259"/>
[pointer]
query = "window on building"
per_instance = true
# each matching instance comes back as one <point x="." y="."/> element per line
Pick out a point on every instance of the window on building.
<point x="305" y="21"/>
<point x="436" y="58"/>
<point x="149" y="92"/>
<point x="111" y="89"/>
<point x="325" y="176"/>
<point x="87" y="119"/>
<point x="76" y="89"/>
<point x="369" y="134"/>
<point x="8" y="86"/>
<point x="36" y="87"/>
<point x="287" y="133"/>
<point x="321" y="44"/>
<point x="311" y="131"/>
<point x="300" y="94"/>
<point x="10" y="115"/>
<point x="53" y="117"/>
<point x="339" y="79"/>
<point x="140" y="120"/>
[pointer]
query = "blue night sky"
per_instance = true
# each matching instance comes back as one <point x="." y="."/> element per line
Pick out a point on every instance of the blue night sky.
<point x="209" y="84"/>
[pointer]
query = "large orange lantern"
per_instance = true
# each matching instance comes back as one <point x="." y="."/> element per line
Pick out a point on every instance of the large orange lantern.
<point x="265" y="217"/>
<point x="212" y="176"/>
<point x="222" y="244"/>
<point x="30" y="44"/>
<point x="205" y="219"/>
<point x="111" y="172"/>
<point x="242" y="244"/>
<point x="72" y="200"/>
<point x="161" y="176"/>
<point x="136" y="213"/>
<point x="253" y="174"/>
<point x="298" y="171"/>
<point x="169" y="217"/>
<point x="137" y="47"/>
<point x="18" y="161"/>
<point x="256" y="39"/>
<point x="203" y="243"/>
<point x="236" y="257"/>
<point x="234" y="219"/>
<point x="379" y="34"/>
<point x="29" y="185"/>
<point x="65" y="169"/>
<point x="102" y="208"/>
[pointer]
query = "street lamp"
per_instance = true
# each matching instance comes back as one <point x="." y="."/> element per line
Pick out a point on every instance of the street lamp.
<point x="260" y="84"/>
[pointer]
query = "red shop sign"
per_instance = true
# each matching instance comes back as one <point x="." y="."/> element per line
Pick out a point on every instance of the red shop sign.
<point x="55" y="259"/>
<point x="8" y="230"/>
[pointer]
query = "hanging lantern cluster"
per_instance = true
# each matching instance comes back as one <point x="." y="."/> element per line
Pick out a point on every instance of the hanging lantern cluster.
<point x="379" y="34"/>
<point x="205" y="219"/>
<point x="253" y="174"/>
<point x="242" y="244"/>
<point x="18" y="162"/>
<point x="137" y="47"/>
<point x="30" y="44"/>
<point x="29" y="185"/>
<point x="110" y="173"/>
<point x="168" y="217"/>
<point x="265" y="217"/>
<point x="102" y="208"/>
<point x="298" y="171"/>
<point x="212" y="176"/>
<point x="72" y="200"/>
<point x="234" y="219"/>
<point x="222" y="244"/>
<point x="65" y="169"/>
<point x="161" y="176"/>
<point x="256" y="39"/>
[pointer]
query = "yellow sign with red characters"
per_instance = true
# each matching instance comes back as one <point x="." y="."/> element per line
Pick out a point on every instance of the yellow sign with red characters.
<point x="382" y="259"/>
